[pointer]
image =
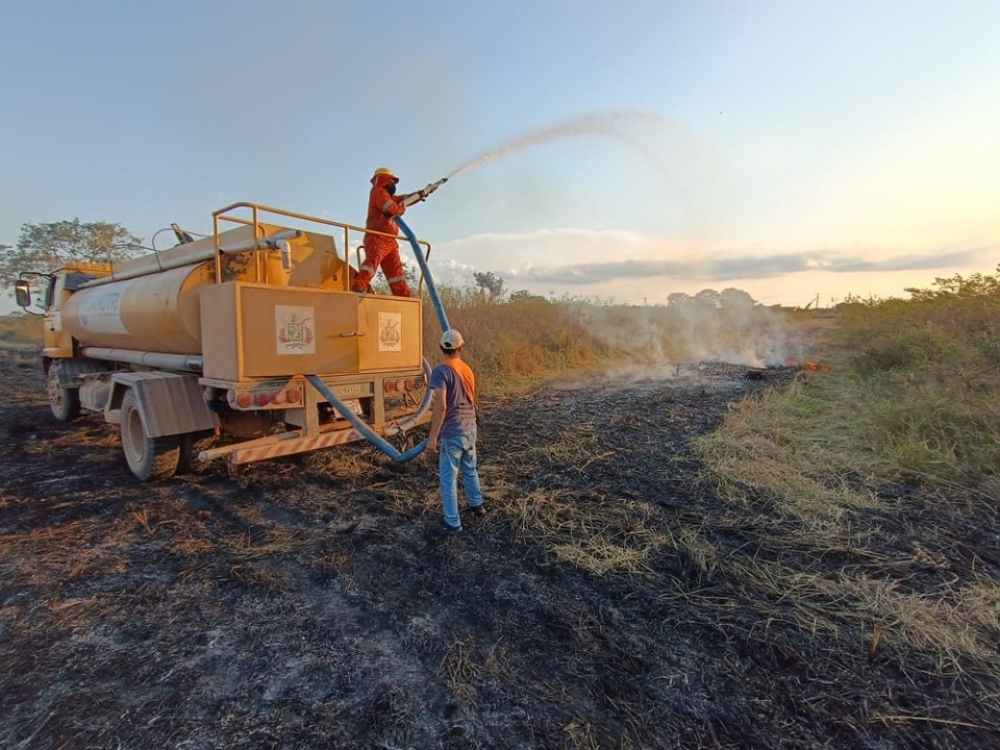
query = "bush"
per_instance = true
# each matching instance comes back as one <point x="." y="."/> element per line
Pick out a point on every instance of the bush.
<point x="18" y="328"/>
<point x="911" y="347"/>
<point x="512" y="343"/>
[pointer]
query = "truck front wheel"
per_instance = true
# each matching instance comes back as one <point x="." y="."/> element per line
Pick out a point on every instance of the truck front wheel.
<point x="148" y="457"/>
<point x="64" y="402"/>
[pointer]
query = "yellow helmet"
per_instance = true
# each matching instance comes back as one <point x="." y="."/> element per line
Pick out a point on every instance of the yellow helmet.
<point x="385" y="171"/>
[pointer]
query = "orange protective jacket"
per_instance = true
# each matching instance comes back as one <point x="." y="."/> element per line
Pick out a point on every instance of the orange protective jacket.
<point x="382" y="210"/>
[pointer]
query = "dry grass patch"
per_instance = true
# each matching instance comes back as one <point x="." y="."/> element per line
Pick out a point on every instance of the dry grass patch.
<point x="81" y="612"/>
<point x="582" y="735"/>
<point x="958" y="624"/>
<point x="54" y="553"/>
<point x="330" y="558"/>
<point x="258" y="576"/>
<point x="576" y="446"/>
<point x="96" y="435"/>
<point x="412" y="503"/>
<point x="459" y="666"/>
<point x="277" y="542"/>
<point x="793" y="448"/>
<point x="596" y="534"/>
<point x="348" y="463"/>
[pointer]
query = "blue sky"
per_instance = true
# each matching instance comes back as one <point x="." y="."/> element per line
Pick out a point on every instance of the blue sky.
<point x="786" y="148"/>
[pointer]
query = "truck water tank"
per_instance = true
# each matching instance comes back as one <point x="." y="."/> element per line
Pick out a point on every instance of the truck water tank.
<point x="153" y="310"/>
<point x="154" y="313"/>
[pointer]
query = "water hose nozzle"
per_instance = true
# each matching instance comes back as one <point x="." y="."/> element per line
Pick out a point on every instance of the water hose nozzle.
<point x="421" y="194"/>
<point x="435" y="185"/>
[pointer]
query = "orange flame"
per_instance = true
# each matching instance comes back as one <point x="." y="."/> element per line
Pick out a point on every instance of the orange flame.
<point x="809" y="365"/>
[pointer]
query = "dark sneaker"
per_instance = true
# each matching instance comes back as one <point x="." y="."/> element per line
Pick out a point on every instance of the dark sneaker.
<point x="446" y="529"/>
<point x="478" y="510"/>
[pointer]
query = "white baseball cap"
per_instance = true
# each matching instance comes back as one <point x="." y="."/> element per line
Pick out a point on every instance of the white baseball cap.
<point x="451" y="340"/>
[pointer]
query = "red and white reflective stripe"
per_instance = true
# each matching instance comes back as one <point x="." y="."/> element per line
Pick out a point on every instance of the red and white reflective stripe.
<point x="387" y="206"/>
<point x="368" y="269"/>
<point x="396" y="279"/>
<point x="287" y="448"/>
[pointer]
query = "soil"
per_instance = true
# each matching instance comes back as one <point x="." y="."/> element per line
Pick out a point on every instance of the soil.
<point x="308" y="602"/>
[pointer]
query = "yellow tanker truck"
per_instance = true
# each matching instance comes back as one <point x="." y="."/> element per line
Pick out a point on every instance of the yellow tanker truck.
<point x="246" y="344"/>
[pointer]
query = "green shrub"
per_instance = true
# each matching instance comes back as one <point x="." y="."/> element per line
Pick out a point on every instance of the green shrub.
<point x="914" y="346"/>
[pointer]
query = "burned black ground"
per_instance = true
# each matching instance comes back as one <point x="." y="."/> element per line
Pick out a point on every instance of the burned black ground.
<point x="307" y="603"/>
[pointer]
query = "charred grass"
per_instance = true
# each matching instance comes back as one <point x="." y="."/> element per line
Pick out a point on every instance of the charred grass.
<point x="768" y="589"/>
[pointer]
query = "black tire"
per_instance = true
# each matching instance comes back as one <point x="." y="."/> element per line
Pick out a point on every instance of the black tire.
<point x="149" y="458"/>
<point x="64" y="402"/>
<point x="192" y="444"/>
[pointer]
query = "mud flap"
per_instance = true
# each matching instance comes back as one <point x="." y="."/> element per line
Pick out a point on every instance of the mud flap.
<point x="170" y="403"/>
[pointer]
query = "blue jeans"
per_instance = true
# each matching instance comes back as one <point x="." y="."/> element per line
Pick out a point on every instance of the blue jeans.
<point x="454" y="453"/>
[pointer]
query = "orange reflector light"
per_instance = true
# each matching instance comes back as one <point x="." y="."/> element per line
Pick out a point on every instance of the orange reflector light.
<point x="408" y="384"/>
<point x="279" y="397"/>
<point x="390" y="386"/>
<point x="244" y="400"/>
<point x="294" y="397"/>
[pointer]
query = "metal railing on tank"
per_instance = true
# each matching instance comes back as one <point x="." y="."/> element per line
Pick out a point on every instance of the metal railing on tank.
<point x="280" y="240"/>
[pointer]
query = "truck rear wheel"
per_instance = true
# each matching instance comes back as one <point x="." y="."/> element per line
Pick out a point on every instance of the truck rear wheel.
<point x="64" y="402"/>
<point x="148" y="457"/>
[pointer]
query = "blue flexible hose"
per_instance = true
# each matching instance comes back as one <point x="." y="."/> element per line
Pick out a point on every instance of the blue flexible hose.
<point x="409" y="421"/>
<point x="361" y="427"/>
<point x="431" y="289"/>
<point x="349" y="415"/>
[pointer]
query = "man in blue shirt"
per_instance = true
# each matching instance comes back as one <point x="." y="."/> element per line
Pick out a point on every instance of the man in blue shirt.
<point x="453" y="430"/>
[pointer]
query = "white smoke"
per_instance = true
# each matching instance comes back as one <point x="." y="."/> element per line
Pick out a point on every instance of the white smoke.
<point x="727" y="326"/>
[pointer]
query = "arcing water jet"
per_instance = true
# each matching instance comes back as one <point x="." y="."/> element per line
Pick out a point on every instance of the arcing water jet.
<point x="613" y="124"/>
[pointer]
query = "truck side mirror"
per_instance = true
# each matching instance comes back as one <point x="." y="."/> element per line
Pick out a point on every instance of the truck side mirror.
<point x="22" y="293"/>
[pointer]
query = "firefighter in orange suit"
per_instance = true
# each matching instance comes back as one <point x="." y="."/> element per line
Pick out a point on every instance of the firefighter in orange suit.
<point x="383" y="252"/>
